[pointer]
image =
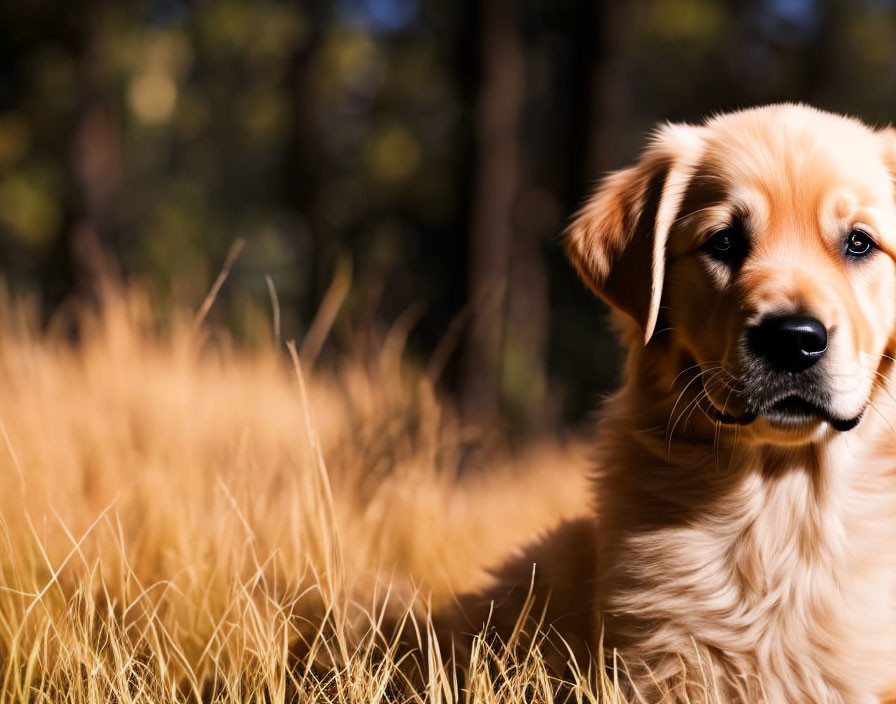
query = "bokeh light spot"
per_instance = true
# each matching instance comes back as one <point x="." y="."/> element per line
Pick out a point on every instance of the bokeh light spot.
<point x="30" y="213"/>
<point x="394" y="154"/>
<point x="152" y="97"/>
<point x="14" y="139"/>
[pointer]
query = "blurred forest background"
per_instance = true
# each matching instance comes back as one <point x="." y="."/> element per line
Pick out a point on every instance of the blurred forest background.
<point x="415" y="158"/>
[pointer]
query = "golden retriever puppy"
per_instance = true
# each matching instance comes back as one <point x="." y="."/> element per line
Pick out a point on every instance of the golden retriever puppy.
<point x="744" y="542"/>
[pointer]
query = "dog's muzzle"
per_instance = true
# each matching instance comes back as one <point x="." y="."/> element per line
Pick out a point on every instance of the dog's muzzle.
<point x="782" y="381"/>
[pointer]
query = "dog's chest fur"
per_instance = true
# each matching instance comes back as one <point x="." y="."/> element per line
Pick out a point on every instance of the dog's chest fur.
<point x="760" y="576"/>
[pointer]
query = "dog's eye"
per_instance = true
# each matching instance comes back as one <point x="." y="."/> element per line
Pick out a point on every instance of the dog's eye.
<point x="858" y="244"/>
<point x="726" y="245"/>
<point x="721" y="241"/>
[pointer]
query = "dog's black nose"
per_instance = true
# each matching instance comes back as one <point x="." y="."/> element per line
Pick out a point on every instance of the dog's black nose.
<point x="790" y="343"/>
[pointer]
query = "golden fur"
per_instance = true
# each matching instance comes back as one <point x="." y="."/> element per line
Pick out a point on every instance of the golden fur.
<point x="734" y="562"/>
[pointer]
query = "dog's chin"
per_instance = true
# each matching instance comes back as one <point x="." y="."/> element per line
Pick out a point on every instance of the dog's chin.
<point x="791" y="419"/>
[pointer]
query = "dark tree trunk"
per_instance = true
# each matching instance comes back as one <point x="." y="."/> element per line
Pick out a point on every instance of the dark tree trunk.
<point x="822" y="64"/>
<point x="304" y="168"/>
<point x="608" y="86"/>
<point x="526" y="337"/>
<point x="491" y="231"/>
<point x="95" y="163"/>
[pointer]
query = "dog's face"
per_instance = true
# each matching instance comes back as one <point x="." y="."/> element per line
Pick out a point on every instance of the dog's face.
<point x="756" y="251"/>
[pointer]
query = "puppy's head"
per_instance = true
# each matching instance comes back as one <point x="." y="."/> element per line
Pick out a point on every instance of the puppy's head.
<point x="754" y="253"/>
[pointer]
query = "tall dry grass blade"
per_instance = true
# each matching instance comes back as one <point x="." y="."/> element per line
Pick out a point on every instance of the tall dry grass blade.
<point x="322" y="323"/>
<point x="15" y="458"/>
<point x="275" y="308"/>
<point x="209" y="300"/>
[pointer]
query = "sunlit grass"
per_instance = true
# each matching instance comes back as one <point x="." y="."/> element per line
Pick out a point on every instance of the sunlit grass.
<point x="182" y="520"/>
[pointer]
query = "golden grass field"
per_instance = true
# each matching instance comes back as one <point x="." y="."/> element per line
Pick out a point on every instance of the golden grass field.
<point x="182" y="520"/>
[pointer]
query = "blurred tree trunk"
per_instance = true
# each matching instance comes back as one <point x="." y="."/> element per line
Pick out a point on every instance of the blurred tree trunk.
<point x="303" y="169"/>
<point x="597" y="101"/>
<point x="822" y="75"/>
<point x="96" y="173"/>
<point x="505" y="358"/>
<point x="613" y="28"/>
<point x="491" y="231"/>
<point x="524" y="372"/>
<point x="95" y="162"/>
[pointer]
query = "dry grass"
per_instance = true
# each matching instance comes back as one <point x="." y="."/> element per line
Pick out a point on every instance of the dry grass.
<point x="184" y="521"/>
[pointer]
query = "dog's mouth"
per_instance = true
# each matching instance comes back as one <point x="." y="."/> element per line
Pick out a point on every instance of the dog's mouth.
<point x="791" y="411"/>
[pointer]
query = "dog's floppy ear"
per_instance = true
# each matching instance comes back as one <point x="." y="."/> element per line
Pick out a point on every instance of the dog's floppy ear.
<point x="617" y="242"/>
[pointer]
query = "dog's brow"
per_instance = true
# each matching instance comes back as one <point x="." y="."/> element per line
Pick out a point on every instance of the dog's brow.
<point x="685" y="216"/>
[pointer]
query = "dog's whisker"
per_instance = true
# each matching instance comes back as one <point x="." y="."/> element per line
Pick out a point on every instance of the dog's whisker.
<point x="670" y="432"/>
<point x="717" y="375"/>
<point x="882" y="355"/>
<point x="697" y="403"/>
<point x="719" y="429"/>
<point x="699" y="376"/>
<point x="883" y="387"/>
<point x="882" y="416"/>
<point x="698" y="365"/>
